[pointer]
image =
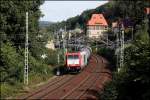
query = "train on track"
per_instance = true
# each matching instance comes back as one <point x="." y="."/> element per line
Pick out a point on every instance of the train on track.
<point x="76" y="61"/>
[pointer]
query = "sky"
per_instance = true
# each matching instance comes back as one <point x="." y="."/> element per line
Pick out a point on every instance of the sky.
<point x="55" y="11"/>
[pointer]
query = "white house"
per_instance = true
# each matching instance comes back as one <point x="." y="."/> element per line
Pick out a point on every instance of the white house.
<point x="50" y="45"/>
<point x="96" y="26"/>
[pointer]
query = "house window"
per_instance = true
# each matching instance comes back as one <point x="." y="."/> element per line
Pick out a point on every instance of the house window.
<point x="97" y="27"/>
<point x="90" y="27"/>
<point x="93" y="27"/>
<point x="89" y="33"/>
<point x="102" y="28"/>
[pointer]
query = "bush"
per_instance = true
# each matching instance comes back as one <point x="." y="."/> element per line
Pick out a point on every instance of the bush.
<point x="11" y="64"/>
<point x="38" y="69"/>
<point x="9" y="90"/>
<point x="12" y="67"/>
<point x="52" y="57"/>
<point x="110" y="92"/>
<point x="132" y="82"/>
<point x="109" y="54"/>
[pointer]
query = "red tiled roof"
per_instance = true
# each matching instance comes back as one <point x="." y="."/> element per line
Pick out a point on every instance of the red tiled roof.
<point x="97" y="19"/>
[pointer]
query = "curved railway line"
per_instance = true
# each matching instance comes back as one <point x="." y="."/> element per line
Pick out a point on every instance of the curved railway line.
<point x="83" y="86"/>
<point x="92" y="78"/>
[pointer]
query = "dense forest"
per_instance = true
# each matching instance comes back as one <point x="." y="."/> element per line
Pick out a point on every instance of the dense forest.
<point x="132" y="81"/>
<point x="12" y="42"/>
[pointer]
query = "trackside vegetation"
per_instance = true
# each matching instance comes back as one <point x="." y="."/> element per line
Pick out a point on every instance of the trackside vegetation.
<point x="132" y="82"/>
<point x="12" y="43"/>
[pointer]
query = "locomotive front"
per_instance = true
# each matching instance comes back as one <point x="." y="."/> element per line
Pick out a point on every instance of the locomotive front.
<point x="76" y="61"/>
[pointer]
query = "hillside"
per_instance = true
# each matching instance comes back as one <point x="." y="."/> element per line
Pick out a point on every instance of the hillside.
<point x="44" y="23"/>
<point x="113" y="10"/>
<point x="80" y="20"/>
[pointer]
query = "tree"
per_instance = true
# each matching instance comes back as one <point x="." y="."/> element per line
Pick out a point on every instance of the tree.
<point x="133" y="81"/>
<point x="12" y="64"/>
<point x="13" y="16"/>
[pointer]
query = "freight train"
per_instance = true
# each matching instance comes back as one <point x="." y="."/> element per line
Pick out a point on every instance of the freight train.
<point x="76" y="61"/>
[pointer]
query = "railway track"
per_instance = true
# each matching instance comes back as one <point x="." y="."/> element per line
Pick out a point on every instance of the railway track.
<point x="47" y="89"/>
<point x="81" y="89"/>
<point x="94" y="91"/>
<point x="73" y="86"/>
<point x="53" y="81"/>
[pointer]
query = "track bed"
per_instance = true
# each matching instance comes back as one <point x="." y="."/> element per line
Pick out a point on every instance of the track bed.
<point x="85" y="85"/>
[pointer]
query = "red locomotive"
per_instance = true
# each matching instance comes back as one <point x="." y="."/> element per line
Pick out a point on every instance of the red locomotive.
<point x="75" y="61"/>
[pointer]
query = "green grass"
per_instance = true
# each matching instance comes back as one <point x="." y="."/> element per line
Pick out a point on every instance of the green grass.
<point x="37" y="78"/>
<point x="12" y="91"/>
<point x="8" y="90"/>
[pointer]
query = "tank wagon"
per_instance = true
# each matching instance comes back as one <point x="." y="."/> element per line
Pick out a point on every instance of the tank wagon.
<point x="76" y="61"/>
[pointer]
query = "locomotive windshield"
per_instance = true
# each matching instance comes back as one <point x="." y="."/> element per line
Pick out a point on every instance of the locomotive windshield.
<point x="73" y="57"/>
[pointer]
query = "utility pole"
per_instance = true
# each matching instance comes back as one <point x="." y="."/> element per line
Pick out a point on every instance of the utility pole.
<point x="96" y="46"/>
<point x="132" y="33"/>
<point x="58" y="59"/>
<point x="117" y="47"/>
<point x="58" y="56"/>
<point x="107" y="39"/>
<point x="64" y="43"/>
<point x="75" y="42"/>
<point x="26" y="53"/>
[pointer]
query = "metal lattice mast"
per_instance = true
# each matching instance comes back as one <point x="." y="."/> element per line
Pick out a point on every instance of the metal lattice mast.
<point x="122" y="47"/>
<point x="117" y="46"/>
<point x="26" y="53"/>
<point x="75" y="47"/>
<point x="107" y="39"/>
<point x="96" y="46"/>
<point x="64" y="43"/>
<point x="58" y="56"/>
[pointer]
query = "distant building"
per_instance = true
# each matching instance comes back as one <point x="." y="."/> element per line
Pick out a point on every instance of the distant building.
<point x="75" y="32"/>
<point x="147" y="11"/>
<point x="96" y="26"/>
<point x="123" y="23"/>
<point x="60" y="34"/>
<point x="50" y="45"/>
<point x="115" y="27"/>
<point x="114" y="24"/>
